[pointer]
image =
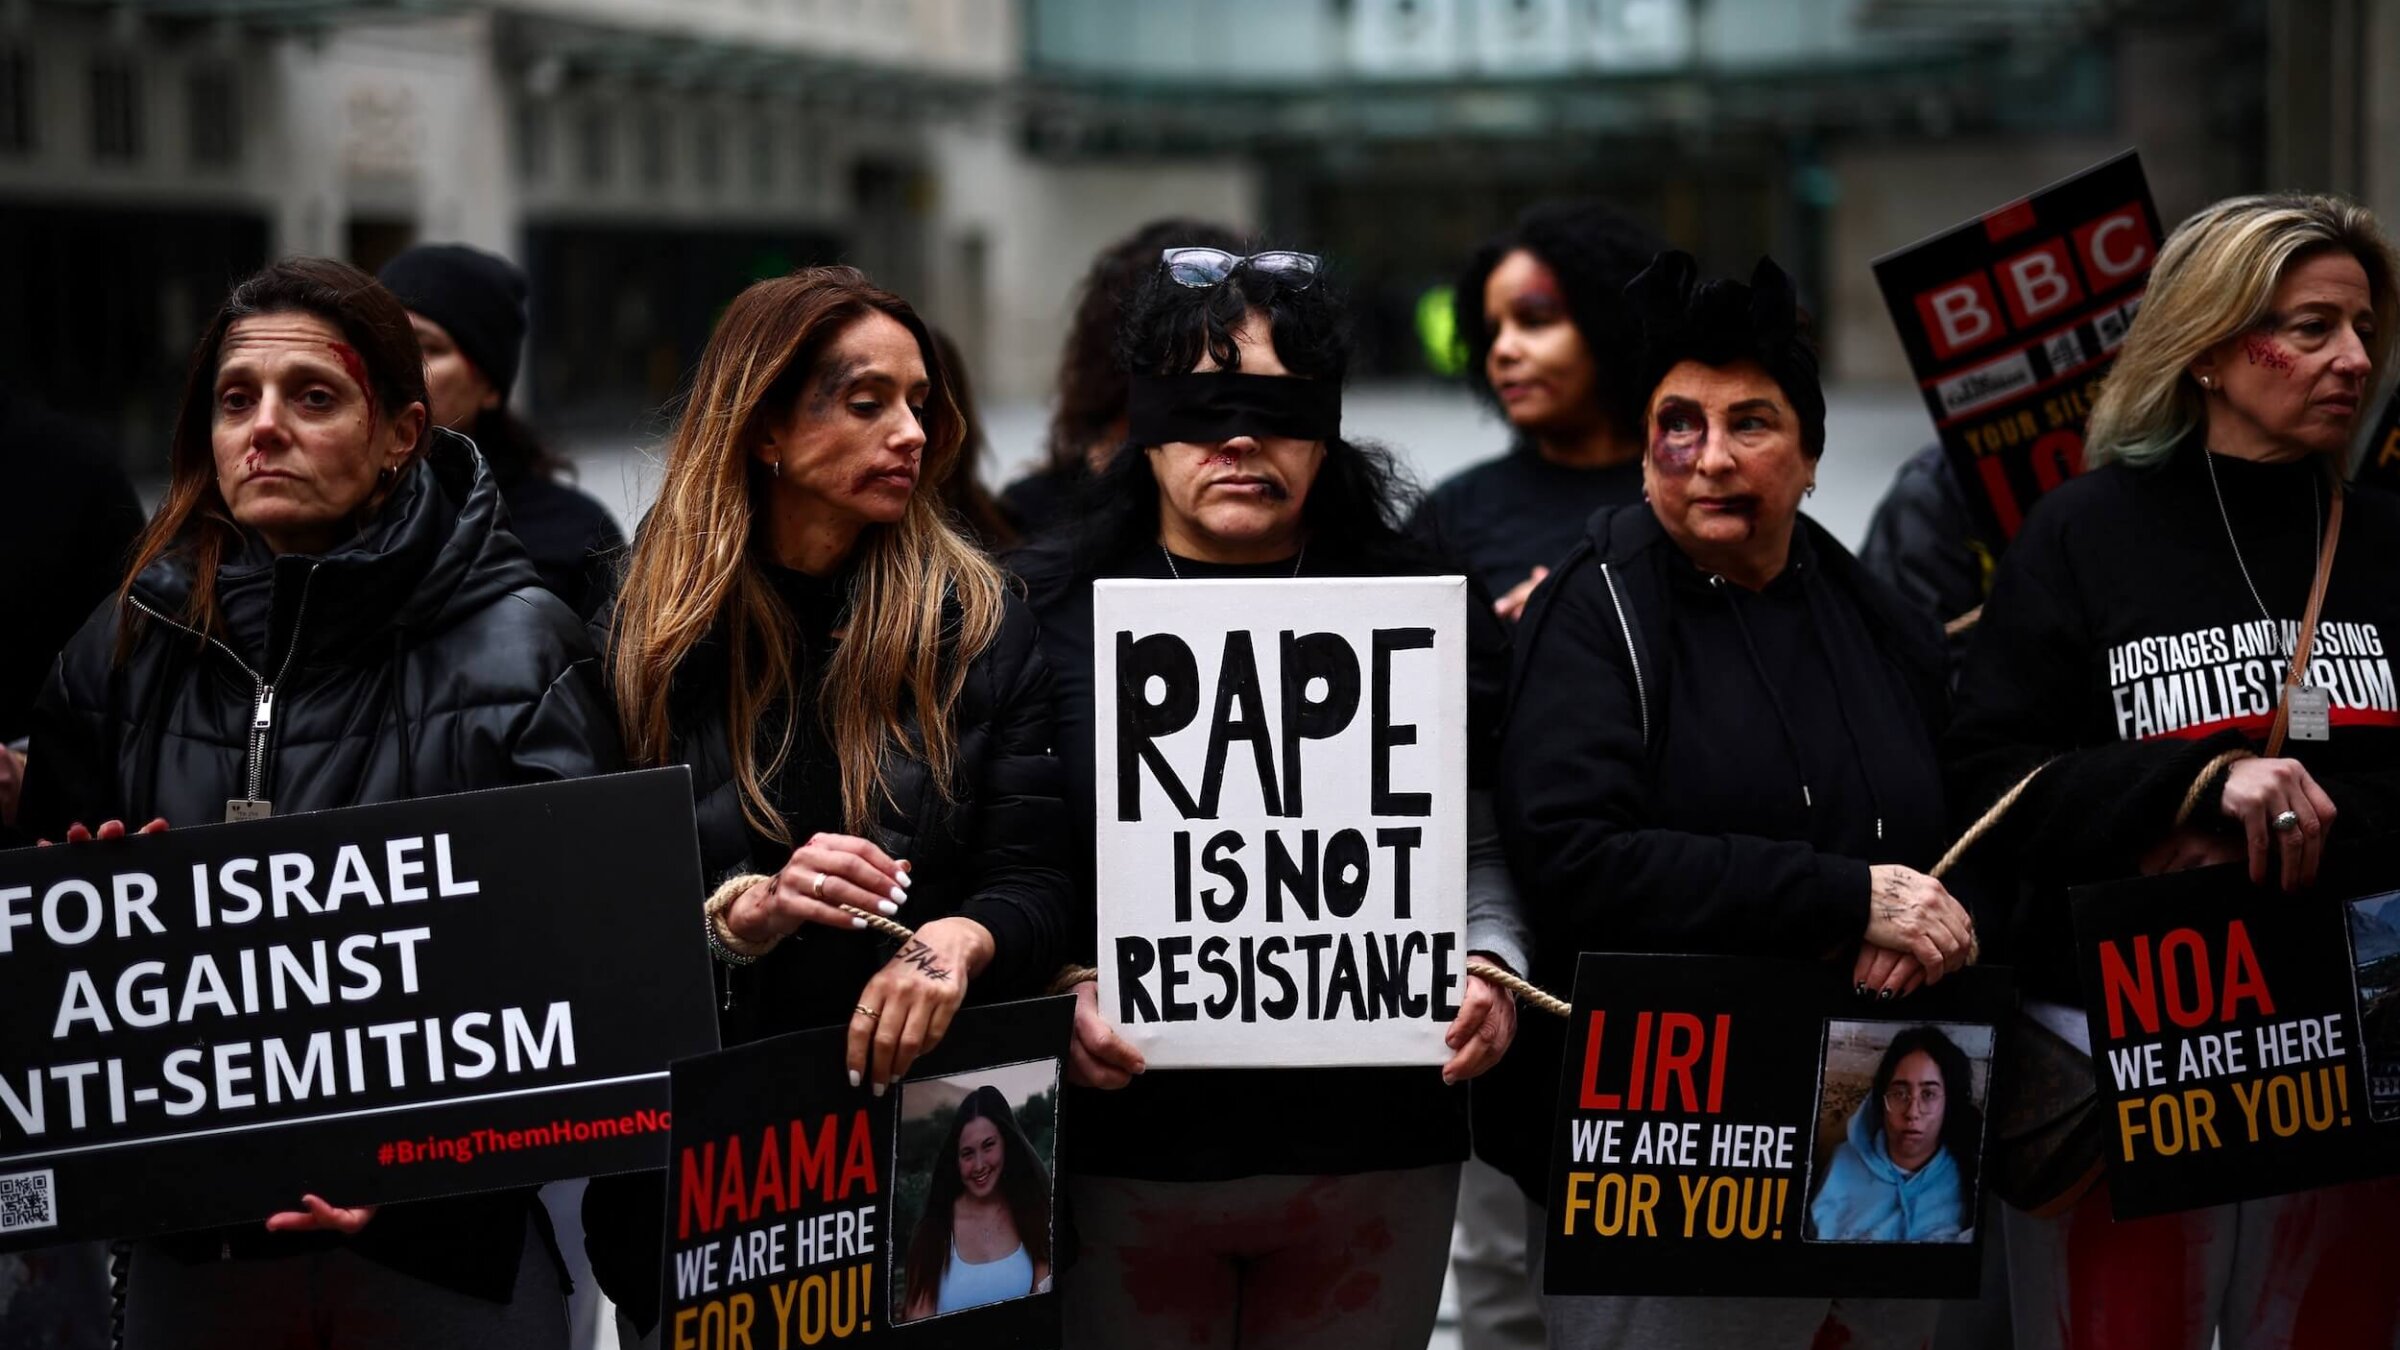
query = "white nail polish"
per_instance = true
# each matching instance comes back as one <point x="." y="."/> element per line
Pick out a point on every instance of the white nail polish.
<point x="889" y="909"/>
<point x="907" y="878"/>
<point x="854" y="1078"/>
<point x="879" y="1089"/>
<point x="858" y="921"/>
<point x="899" y="897"/>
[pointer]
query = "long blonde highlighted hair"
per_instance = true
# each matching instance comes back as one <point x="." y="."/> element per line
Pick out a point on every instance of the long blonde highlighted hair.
<point x="2215" y="278"/>
<point x="924" y="603"/>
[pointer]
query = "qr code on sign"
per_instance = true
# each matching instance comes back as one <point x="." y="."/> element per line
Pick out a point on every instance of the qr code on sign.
<point x="27" y="1201"/>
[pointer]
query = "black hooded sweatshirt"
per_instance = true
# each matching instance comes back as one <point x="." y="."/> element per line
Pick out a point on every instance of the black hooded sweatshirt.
<point x="1689" y="766"/>
<point x="2123" y="639"/>
<point x="422" y="658"/>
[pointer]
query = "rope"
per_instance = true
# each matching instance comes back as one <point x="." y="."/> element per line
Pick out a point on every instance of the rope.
<point x="1524" y="989"/>
<point x="1070" y="976"/>
<point x="1985" y="823"/>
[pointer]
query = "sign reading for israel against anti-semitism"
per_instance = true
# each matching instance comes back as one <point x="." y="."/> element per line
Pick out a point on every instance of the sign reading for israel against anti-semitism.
<point x="1733" y="1126"/>
<point x="2010" y="322"/>
<point x="1281" y="794"/>
<point x="2246" y="1041"/>
<point x="375" y="1004"/>
<point x="804" y="1211"/>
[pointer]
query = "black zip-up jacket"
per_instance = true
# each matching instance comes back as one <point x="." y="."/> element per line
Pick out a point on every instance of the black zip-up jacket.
<point x="2124" y="644"/>
<point x="994" y="852"/>
<point x="1692" y="767"/>
<point x="420" y="659"/>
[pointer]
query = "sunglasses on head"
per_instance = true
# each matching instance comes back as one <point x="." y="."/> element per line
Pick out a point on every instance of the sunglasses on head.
<point x="1201" y="268"/>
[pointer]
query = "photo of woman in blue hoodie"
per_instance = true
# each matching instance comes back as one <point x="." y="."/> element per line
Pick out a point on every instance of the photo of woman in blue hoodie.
<point x="1905" y="1171"/>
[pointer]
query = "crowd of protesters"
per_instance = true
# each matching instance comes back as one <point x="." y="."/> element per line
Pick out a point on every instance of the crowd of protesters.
<point x="1697" y="723"/>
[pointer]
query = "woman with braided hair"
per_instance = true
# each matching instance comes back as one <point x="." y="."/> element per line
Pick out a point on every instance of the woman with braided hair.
<point x="1721" y="740"/>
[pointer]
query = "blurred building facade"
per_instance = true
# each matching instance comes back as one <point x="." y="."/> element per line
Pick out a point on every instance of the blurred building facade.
<point x="645" y="158"/>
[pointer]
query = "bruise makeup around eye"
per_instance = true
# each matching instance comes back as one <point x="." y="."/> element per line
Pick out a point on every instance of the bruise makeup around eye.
<point x="1675" y="450"/>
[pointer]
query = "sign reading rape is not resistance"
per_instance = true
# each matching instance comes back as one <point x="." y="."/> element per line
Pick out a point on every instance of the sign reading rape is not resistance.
<point x="1281" y="784"/>
<point x="376" y="1004"/>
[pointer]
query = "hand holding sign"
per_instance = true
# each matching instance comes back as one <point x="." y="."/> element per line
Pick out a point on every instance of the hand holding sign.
<point x="906" y="1009"/>
<point x="320" y="1217"/>
<point x="1908" y="911"/>
<point x="1098" y="1057"/>
<point x="2257" y="792"/>
<point x="109" y="829"/>
<point x="1486" y="1023"/>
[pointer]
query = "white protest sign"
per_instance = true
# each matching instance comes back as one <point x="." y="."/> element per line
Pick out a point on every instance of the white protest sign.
<point x="1282" y="777"/>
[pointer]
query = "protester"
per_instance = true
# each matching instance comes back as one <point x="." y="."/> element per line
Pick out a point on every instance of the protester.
<point x="2183" y="561"/>
<point x="468" y="308"/>
<point x="862" y="702"/>
<point x="70" y="520"/>
<point x="325" y="612"/>
<point x="985" y="1234"/>
<point x="1088" y="423"/>
<point x="1721" y="740"/>
<point x="1231" y="1188"/>
<point x="974" y="512"/>
<point x="1541" y="310"/>
<point x="1905" y="1170"/>
<point x="1924" y="543"/>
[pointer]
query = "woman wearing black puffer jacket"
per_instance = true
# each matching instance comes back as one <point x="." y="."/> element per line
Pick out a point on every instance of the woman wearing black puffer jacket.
<point x="863" y="704"/>
<point x="325" y="612"/>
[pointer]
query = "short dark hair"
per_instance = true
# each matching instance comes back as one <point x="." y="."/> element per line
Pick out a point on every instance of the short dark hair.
<point x="1593" y="250"/>
<point x="1722" y="322"/>
<point x="1091" y="383"/>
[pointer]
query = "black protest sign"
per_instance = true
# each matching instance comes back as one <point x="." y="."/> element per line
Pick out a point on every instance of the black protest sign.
<point x="375" y="1004"/>
<point x="2010" y="322"/>
<point x="2381" y="466"/>
<point x="803" y="1211"/>
<point x="2246" y="1042"/>
<point x="1739" y="1126"/>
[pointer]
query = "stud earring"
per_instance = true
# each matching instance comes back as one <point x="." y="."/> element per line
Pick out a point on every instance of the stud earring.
<point x="2208" y="384"/>
<point x="775" y="468"/>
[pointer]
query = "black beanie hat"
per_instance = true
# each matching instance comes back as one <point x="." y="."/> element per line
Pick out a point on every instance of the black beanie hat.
<point x="477" y="297"/>
<point x="1720" y="322"/>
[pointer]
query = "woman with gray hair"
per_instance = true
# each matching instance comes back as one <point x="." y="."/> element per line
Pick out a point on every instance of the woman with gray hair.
<point x="2193" y="637"/>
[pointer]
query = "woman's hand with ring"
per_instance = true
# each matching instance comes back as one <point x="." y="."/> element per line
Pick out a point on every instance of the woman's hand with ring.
<point x="824" y="874"/>
<point x="914" y="997"/>
<point x="1908" y="911"/>
<point x="2260" y="791"/>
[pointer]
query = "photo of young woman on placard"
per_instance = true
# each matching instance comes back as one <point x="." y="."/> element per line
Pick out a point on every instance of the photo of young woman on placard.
<point x="1897" y="1154"/>
<point x="975" y="1163"/>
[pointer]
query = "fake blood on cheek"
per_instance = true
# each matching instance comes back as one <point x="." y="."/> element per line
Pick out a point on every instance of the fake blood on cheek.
<point x="2267" y="353"/>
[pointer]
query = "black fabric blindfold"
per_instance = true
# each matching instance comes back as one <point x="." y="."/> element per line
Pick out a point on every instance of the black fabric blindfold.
<point x="1220" y="405"/>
